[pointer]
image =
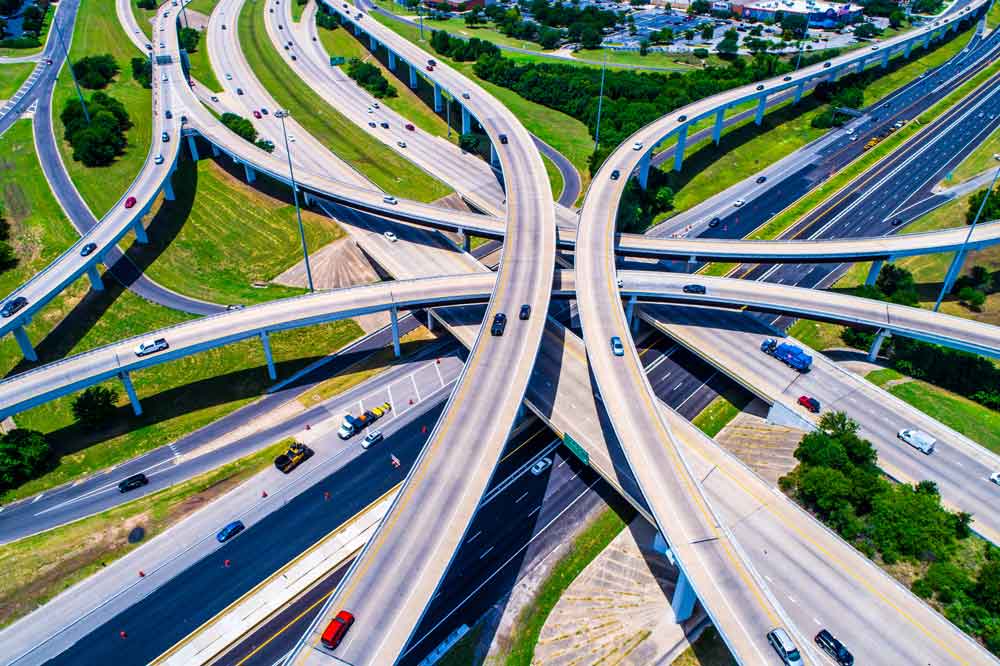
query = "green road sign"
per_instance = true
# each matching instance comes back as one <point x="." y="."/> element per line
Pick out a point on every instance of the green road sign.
<point x="337" y="60"/>
<point x="577" y="450"/>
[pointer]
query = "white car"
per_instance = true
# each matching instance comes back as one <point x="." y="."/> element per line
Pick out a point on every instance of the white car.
<point x="164" y="77"/>
<point x="739" y="203"/>
<point x="229" y="77"/>
<point x="371" y="110"/>
<point x="637" y="145"/>
<point x="995" y="478"/>
<point x="291" y="139"/>
<point x="541" y="466"/>
<point x="391" y="236"/>
<point x="401" y="144"/>
<point x="376" y="105"/>
<point x="391" y="200"/>
<point x="918" y="439"/>
<point x="151" y="347"/>
<point x="158" y="159"/>
<point x="374" y="437"/>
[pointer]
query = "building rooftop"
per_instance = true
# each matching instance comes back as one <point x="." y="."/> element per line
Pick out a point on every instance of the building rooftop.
<point x="803" y="6"/>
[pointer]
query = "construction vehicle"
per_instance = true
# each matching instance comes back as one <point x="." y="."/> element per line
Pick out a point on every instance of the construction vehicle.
<point x="296" y="454"/>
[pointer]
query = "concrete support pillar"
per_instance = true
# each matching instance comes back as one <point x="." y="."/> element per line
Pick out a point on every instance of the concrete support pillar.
<point x="413" y="76"/>
<point x="466" y="242"/>
<point x="96" y="283"/>
<point x="130" y="390"/>
<point x="494" y="157"/>
<point x="630" y="311"/>
<point x="684" y="598"/>
<point x="682" y="136"/>
<point x="877" y="344"/>
<point x="215" y="150"/>
<point x="906" y="50"/>
<point x="373" y="43"/>
<point x="885" y="58"/>
<point x="395" y="331"/>
<point x="644" y="169"/>
<point x="193" y="148"/>
<point x="874" y="271"/>
<point x="692" y="264"/>
<point x="392" y="61"/>
<point x="761" y="107"/>
<point x="953" y="270"/>
<point x="466" y="121"/>
<point x="801" y="88"/>
<point x="720" y="121"/>
<point x="24" y="342"/>
<point x="265" y="341"/>
<point x="140" y="231"/>
<point x="438" y="102"/>
<point x="430" y="322"/>
<point x="250" y="173"/>
<point x="168" y="187"/>
<point x="357" y="29"/>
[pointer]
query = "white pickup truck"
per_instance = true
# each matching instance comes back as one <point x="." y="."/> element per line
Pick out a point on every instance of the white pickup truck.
<point x="918" y="439"/>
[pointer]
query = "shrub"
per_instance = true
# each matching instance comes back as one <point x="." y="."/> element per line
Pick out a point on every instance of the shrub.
<point x="972" y="298"/>
<point x="242" y="126"/>
<point x="142" y="72"/>
<point x="370" y="77"/>
<point x="188" y="39"/>
<point x="700" y="53"/>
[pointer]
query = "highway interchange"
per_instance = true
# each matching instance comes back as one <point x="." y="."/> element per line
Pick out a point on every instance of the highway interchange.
<point x="528" y="252"/>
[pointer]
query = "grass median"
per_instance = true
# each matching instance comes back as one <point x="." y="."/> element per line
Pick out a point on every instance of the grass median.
<point x="387" y="169"/>
<point x="12" y="75"/>
<point x="979" y="160"/>
<point x="39" y="567"/>
<point x="718" y="413"/>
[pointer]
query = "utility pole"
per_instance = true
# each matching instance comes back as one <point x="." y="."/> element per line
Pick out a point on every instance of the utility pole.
<point x="600" y="103"/>
<point x="69" y="65"/>
<point x="295" y="196"/>
<point x="421" y="15"/>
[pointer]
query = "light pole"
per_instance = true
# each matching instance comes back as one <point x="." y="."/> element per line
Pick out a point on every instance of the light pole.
<point x="961" y="252"/>
<point x="281" y="115"/>
<point x="600" y="103"/>
<point x="421" y="16"/>
<point x="802" y="46"/>
<point x="69" y="64"/>
<point x="447" y="102"/>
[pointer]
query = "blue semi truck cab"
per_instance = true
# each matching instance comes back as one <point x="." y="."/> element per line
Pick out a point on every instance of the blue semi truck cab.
<point x="789" y="354"/>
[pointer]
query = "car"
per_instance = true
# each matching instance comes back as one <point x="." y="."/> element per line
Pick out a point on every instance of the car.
<point x="229" y="77"/>
<point x="410" y="127"/>
<point x="391" y="236"/>
<point x="223" y="26"/>
<point x="432" y="62"/>
<point x="336" y="630"/>
<point x="376" y="104"/>
<point x="503" y="139"/>
<point x="293" y="57"/>
<point x="164" y="77"/>
<point x="384" y="125"/>
<point x="165" y="137"/>
<point x="234" y="306"/>
<point x="826" y="65"/>
<point x="256" y="114"/>
<point x="264" y="111"/>
<point x="291" y="138"/>
<point x="372" y="123"/>
<point x="229" y="531"/>
<point x="787" y="78"/>
<point x="918" y="439"/>
<point x="826" y="641"/>
<point x="615" y="175"/>
<point x="239" y="91"/>
<point x="995" y="478"/>
<point x="681" y="118"/>
<point x="158" y="159"/>
<point x="401" y="144"/>
<point x="714" y="222"/>
<point x="761" y="179"/>
<point x="429" y="68"/>
<point x="541" y="466"/>
<point x="616" y="346"/>
<point x="151" y="347"/>
<point x="214" y="98"/>
<point x="149" y="47"/>
<point x="280" y="27"/>
<point x="132" y="482"/>
<point x="296" y="454"/>
<point x="812" y="404"/>
<point x="637" y="145"/>
<point x="88" y="249"/>
<point x="897" y="221"/>
<point x="760" y="86"/>
<point x="783" y="645"/>
<point x="465" y="95"/>
<point x="381" y="410"/>
<point x="391" y="200"/>
<point x="130" y="202"/>
<point x="499" y="324"/>
<point x="525" y="312"/>
<point x="694" y="289"/>
<point x="162" y="45"/>
<point x="739" y="203"/>
<point x="12" y="306"/>
<point x="371" y="110"/>
<point x="374" y="437"/>
<point x="168" y="114"/>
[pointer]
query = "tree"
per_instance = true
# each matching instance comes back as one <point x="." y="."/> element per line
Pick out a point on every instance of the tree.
<point x="700" y="53"/>
<point x="188" y="39"/>
<point x="896" y="18"/>
<point x="824" y="488"/>
<point x="242" y="126"/>
<point x="664" y="198"/>
<point x="590" y="38"/>
<point x="95" y="406"/>
<point x="898" y="285"/>
<point x="24" y="455"/>
<point x="866" y="30"/>
<point x="729" y="46"/>
<point x="818" y="449"/>
<point x="793" y="24"/>
<point x="707" y="31"/>
<point x="699" y="7"/>
<point x="474" y="17"/>
<point x="549" y="38"/>
<point x="972" y="298"/>
<point x="147" y="4"/>
<point x="644" y="47"/>
<point x="990" y="212"/>
<point x="838" y="424"/>
<point x="265" y="144"/>
<point x="142" y="72"/>
<point x="95" y="71"/>
<point x="98" y="142"/>
<point x="469" y="142"/>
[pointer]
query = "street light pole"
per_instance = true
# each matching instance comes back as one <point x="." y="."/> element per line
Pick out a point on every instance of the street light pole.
<point x="421" y="15"/>
<point x="69" y="64"/>
<point x="802" y="46"/>
<point x="447" y="102"/>
<point x="600" y="103"/>
<point x="295" y="196"/>
<point x="972" y="227"/>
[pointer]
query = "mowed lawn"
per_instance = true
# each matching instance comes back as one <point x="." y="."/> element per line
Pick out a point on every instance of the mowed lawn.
<point x="97" y="32"/>
<point x="219" y="236"/>
<point x="387" y="169"/>
<point x="12" y="75"/>
<point x="979" y="160"/>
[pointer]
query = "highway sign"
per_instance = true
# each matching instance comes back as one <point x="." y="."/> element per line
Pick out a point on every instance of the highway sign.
<point x="577" y="450"/>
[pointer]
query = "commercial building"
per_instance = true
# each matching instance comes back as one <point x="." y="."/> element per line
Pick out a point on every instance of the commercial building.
<point x="821" y="14"/>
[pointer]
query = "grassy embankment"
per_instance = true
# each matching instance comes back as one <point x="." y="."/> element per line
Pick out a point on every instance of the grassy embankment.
<point x="12" y="75"/>
<point x="979" y="160"/>
<point x="387" y="169"/>
<point x="40" y="567"/>
<point x="723" y="409"/>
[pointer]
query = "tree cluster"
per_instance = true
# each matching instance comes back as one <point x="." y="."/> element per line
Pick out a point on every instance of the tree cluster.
<point x="94" y="408"/>
<point x="462" y="50"/>
<point x="188" y="39"/>
<point x="866" y="30"/>
<point x="990" y="212"/>
<point x="142" y="71"/>
<point x="24" y="455"/>
<point x="8" y="258"/>
<point x="9" y="7"/>
<point x="370" y="77"/>
<point x="98" y="142"/>
<point x="148" y="5"/>
<point x="33" y="19"/>
<point x="972" y="289"/>
<point x="326" y="20"/>
<point x="97" y="71"/>
<point x="240" y="125"/>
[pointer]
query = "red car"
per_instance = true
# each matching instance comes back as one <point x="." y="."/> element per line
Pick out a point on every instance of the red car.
<point x="429" y="68"/>
<point x="256" y="114"/>
<point x="337" y="629"/>
<point x="812" y="404"/>
<point x="409" y="126"/>
<point x="130" y="202"/>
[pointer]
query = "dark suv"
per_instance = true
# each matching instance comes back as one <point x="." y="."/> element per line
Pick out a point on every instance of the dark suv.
<point x="132" y="482"/>
<point x="834" y="648"/>
<point x="13" y="305"/>
<point x="499" y="323"/>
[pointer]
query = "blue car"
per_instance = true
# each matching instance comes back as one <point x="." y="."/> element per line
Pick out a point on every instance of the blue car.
<point x="230" y="530"/>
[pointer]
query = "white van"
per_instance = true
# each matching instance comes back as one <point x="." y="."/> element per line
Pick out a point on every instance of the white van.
<point x="783" y="645"/>
<point x="918" y="439"/>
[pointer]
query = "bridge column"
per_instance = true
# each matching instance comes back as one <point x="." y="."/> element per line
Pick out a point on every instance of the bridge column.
<point x="644" y="169"/>
<point x="193" y="148"/>
<point x="874" y="271"/>
<point x="357" y="30"/>
<point x="466" y="121"/>
<point x="720" y="120"/>
<point x="494" y="157"/>
<point x="306" y="199"/>
<point x="438" y="104"/>
<point x="130" y="390"/>
<point x="168" y="187"/>
<point x="761" y="106"/>
<point x="801" y="88"/>
<point x="466" y="240"/>
<point x="885" y="58"/>
<point x="877" y="344"/>
<point x="140" y="231"/>
<point x="249" y="172"/>
<point x="679" y="148"/>
<point x="392" y="60"/>
<point x="215" y="150"/>
<point x="906" y="51"/>
<point x="630" y="311"/>
<point x="413" y="76"/>
<point x="372" y="42"/>
<point x="430" y="321"/>
<point x="953" y="270"/>
<point x="24" y="342"/>
<point x="265" y="341"/>
<point x="684" y="598"/>
<point x="96" y="283"/>
<point x="395" y="330"/>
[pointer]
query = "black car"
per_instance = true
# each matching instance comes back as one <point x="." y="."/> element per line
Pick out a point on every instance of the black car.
<point x="239" y="91"/>
<point x="372" y="123"/>
<point x="88" y="249"/>
<point x="525" y="312"/>
<point x="760" y="86"/>
<point x="132" y="482"/>
<point x="385" y="125"/>
<point x="503" y="139"/>
<point x="714" y="222"/>
<point x="825" y="65"/>
<point x="694" y="289"/>
<point x="499" y="323"/>
<point x="615" y="174"/>
<point x="787" y="78"/>
<point x="681" y="118"/>
<point x="168" y="114"/>
<point x="165" y="137"/>
<point x="12" y="306"/>
<point x="834" y="648"/>
<point x="761" y="179"/>
<point x="898" y="221"/>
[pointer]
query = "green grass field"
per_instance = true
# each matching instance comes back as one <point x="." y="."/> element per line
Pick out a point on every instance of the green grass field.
<point x="993" y="19"/>
<point x="723" y="409"/>
<point x="97" y="31"/>
<point x="555" y="177"/>
<point x="708" y="650"/>
<point x="12" y="76"/>
<point x="201" y="68"/>
<point x="297" y="10"/>
<point x="387" y="169"/>
<point x="678" y="61"/>
<point x="979" y="160"/>
<point x="220" y="236"/>
<point x="456" y="26"/>
<point x="205" y="7"/>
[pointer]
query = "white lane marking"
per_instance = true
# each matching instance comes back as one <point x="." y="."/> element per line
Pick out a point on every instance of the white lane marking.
<point x="437" y="366"/>
<point x="535" y="510"/>
<point x="518" y="500"/>
<point x="414" y="382"/>
<point x="486" y="552"/>
<point x="38" y="497"/>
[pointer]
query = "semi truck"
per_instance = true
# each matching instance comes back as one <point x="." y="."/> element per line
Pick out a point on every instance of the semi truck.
<point x="789" y="354"/>
<point x="352" y="425"/>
